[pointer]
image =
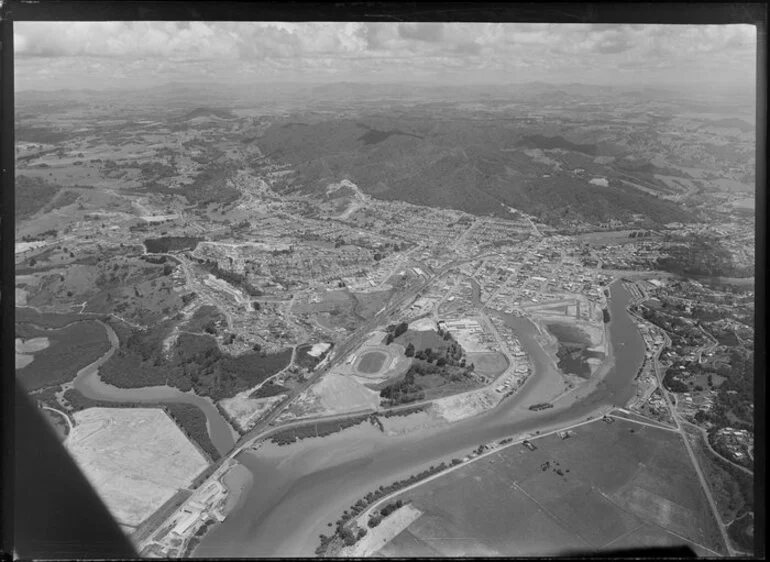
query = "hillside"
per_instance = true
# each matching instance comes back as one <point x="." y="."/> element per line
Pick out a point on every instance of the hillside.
<point x="478" y="165"/>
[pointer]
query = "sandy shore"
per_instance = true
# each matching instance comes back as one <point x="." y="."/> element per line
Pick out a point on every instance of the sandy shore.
<point x="238" y="481"/>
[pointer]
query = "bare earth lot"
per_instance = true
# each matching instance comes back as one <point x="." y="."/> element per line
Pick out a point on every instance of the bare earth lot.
<point x="604" y="487"/>
<point x="136" y="458"/>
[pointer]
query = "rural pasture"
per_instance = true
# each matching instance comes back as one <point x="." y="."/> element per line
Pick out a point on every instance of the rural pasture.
<point x="136" y="458"/>
<point x="604" y="487"/>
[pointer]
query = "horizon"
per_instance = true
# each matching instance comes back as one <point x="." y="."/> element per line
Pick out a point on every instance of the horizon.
<point x="103" y="56"/>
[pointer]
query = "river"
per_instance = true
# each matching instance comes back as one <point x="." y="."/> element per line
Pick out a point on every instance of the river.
<point x="300" y="488"/>
<point x="91" y="386"/>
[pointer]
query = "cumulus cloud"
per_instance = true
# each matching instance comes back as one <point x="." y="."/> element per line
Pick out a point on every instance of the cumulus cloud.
<point x="398" y="51"/>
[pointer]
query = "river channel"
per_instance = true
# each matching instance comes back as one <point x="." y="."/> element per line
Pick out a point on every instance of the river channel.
<point x="91" y="386"/>
<point x="297" y="490"/>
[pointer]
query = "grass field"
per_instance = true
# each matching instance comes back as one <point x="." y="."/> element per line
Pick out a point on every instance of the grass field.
<point x="368" y="304"/>
<point x="371" y="362"/>
<point x="490" y="364"/>
<point x="136" y="458"/>
<point x="604" y="487"/>
<point x="732" y="489"/>
<point x="422" y="339"/>
<point x="70" y="349"/>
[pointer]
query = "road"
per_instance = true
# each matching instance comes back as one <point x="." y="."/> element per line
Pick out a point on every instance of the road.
<point x="679" y="429"/>
<point x="65" y="416"/>
<point x="704" y="483"/>
<point x="708" y="444"/>
<point x="264" y="429"/>
<point x="365" y="514"/>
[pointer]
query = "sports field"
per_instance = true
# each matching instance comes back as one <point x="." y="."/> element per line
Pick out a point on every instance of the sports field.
<point x="136" y="458"/>
<point x="490" y="363"/>
<point x="371" y="362"/>
<point x="604" y="487"/>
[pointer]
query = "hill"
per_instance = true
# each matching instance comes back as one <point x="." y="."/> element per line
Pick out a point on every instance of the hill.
<point x="474" y="164"/>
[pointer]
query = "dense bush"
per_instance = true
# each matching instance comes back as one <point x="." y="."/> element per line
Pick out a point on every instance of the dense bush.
<point x="32" y="194"/>
<point x="317" y="429"/>
<point x="269" y="389"/>
<point x="192" y="421"/>
<point x="70" y="349"/>
<point x="168" y="244"/>
<point x="196" y="364"/>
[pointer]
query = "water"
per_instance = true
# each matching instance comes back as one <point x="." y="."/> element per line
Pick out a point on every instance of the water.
<point x="573" y="351"/>
<point x="91" y="386"/>
<point x="300" y="488"/>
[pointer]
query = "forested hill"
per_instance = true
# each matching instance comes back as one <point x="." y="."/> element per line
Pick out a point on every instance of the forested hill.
<point x="476" y="164"/>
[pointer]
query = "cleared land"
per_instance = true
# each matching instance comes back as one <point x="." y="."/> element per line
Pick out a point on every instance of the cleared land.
<point x="136" y="458"/>
<point x="339" y="393"/>
<point x="605" y="486"/>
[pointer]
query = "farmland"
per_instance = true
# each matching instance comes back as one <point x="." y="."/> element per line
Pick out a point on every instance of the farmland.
<point x="606" y="486"/>
<point x="136" y="458"/>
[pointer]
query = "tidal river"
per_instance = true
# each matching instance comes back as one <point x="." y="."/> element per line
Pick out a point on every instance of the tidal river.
<point x="91" y="386"/>
<point x="296" y="490"/>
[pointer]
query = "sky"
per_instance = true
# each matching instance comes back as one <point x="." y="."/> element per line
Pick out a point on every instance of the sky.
<point x="100" y="55"/>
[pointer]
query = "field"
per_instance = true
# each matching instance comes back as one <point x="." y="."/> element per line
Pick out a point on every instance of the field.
<point x="490" y="364"/>
<point x="371" y="362"/>
<point x="70" y="349"/>
<point x="604" y="487"/>
<point x="368" y="304"/>
<point x="110" y="283"/>
<point x="732" y="488"/>
<point x="422" y="339"/>
<point x="340" y="393"/>
<point x="136" y="458"/>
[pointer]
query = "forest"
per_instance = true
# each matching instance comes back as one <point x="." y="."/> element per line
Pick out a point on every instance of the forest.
<point x="196" y="364"/>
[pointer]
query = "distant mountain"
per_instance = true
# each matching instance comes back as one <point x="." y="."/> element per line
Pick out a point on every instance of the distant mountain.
<point x="479" y="166"/>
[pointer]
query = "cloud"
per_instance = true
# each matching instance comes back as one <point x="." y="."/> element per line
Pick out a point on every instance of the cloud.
<point x="428" y="32"/>
<point x="393" y="51"/>
<point x="471" y="48"/>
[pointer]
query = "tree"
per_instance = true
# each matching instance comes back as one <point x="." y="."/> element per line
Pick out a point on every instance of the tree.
<point x="401" y="328"/>
<point x="389" y="339"/>
<point x="409" y="350"/>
